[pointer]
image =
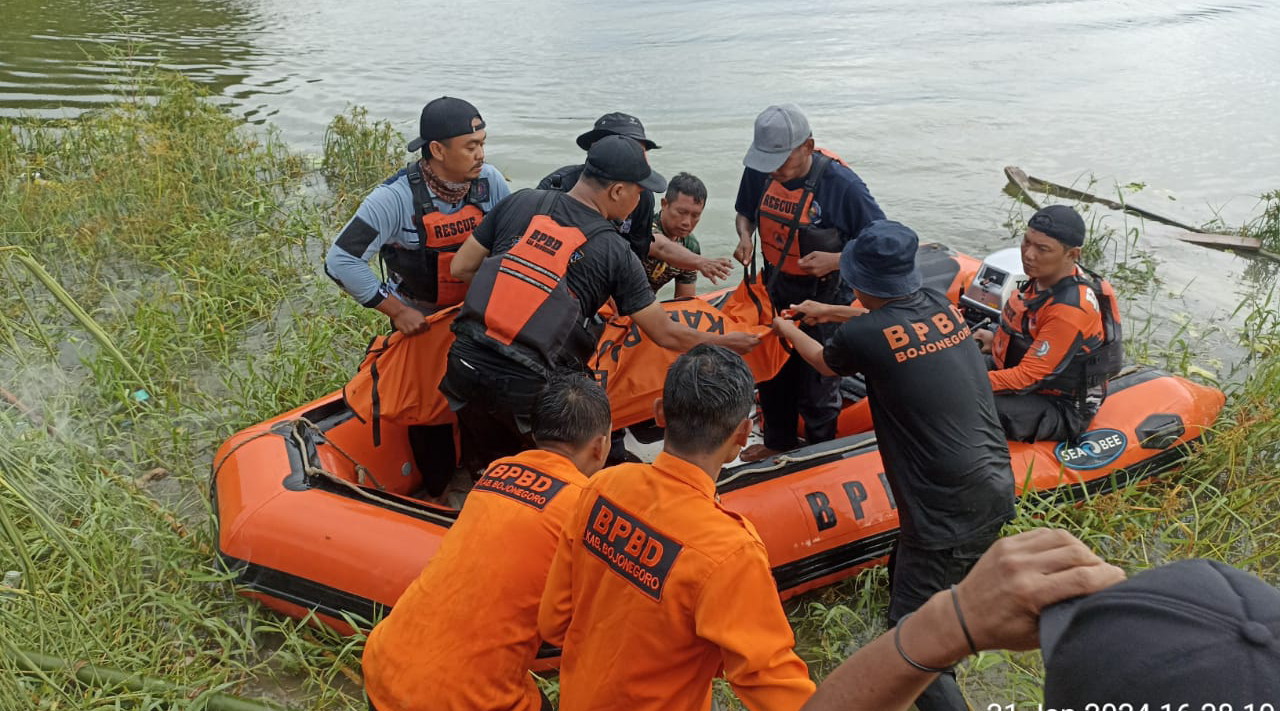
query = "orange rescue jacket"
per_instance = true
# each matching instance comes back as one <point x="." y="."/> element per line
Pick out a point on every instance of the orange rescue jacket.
<point x="424" y="273"/>
<point x="464" y="633"/>
<point x="520" y="302"/>
<point x="784" y="224"/>
<point x="1059" y="341"/>
<point x="655" y="589"/>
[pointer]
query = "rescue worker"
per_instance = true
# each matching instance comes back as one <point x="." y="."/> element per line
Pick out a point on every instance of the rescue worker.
<point x="417" y="219"/>
<point x="806" y="205"/>
<point x="682" y="207"/>
<point x="944" y="453"/>
<point x="637" y="227"/>
<point x="1001" y="604"/>
<point x="434" y="651"/>
<point x="655" y="588"/>
<point x="1059" y="338"/>
<point x="540" y="268"/>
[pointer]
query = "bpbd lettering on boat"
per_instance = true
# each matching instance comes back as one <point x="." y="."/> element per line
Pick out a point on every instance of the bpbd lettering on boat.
<point x="824" y="513"/>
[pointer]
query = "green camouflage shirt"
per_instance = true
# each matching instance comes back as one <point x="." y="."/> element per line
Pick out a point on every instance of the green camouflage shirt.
<point x="660" y="272"/>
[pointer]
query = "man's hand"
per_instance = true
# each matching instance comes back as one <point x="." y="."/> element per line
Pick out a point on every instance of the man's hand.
<point x="410" y="321"/>
<point x="984" y="339"/>
<point x="405" y="318"/>
<point x="738" y="342"/>
<point x="820" y="264"/>
<point x="1021" y="575"/>
<point x="785" y="327"/>
<point x="717" y="269"/>
<point x="1001" y="599"/>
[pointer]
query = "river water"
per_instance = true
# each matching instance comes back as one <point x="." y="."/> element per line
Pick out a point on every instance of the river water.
<point x="928" y="100"/>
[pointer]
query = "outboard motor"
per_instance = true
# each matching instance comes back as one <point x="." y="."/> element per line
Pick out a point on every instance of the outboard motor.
<point x="992" y="286"/>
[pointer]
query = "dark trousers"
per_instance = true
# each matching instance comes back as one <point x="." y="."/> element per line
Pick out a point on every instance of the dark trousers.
<point x="1031" y="417"/>
<point x="798" y="392"/>
<point x="915" y="574"/>
<point x="494" y="411"/>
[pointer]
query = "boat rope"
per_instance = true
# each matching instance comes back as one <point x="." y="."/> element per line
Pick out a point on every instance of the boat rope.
<point x="362" y="472"/>
<point x="266" y="433"/>
<point x="309" y="468"/>
<point x="352" y="486"/>
<point x="782" y="461"/>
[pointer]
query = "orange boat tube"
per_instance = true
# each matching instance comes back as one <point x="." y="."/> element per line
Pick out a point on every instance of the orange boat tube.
<point x="315" y="518"/>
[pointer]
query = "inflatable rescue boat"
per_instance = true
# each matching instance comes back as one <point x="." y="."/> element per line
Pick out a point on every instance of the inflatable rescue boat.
<point x="331" y="509"/>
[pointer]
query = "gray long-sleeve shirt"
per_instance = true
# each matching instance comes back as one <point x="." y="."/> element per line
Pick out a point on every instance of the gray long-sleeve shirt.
<point x="386" y="218"/>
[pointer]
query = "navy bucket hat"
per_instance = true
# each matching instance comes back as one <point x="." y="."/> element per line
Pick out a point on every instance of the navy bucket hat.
<point x="882" y="260"/>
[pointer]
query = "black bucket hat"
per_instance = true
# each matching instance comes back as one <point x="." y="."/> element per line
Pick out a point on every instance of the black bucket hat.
<point x="616" y="124"/>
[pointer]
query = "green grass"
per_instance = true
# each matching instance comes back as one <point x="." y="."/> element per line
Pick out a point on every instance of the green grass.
<point x="1266" y="226"/>
<point x="194" y="245"/>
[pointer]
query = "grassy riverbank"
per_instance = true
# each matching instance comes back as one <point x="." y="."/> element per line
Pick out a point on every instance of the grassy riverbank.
<point x="194" y="243"/>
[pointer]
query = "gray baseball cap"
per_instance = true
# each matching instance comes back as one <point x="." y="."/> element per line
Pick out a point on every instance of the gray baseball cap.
<point x="779" y="129"/>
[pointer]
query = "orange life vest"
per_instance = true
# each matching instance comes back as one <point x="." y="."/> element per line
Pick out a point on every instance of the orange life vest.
<point x="785" y="221"/>
<point x="520" y="302"/>
<point x="424" y="273"/>
<point x="1101" y="354"/>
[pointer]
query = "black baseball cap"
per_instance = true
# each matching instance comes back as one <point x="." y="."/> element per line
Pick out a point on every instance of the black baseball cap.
<point x="1061" y="223"/>
<point x="882" y="260"/>
<point x="443" y="118"/>
<point x="616" y="124"/>
<point x="621" y="158"/>
<point x="1185" y="634"/>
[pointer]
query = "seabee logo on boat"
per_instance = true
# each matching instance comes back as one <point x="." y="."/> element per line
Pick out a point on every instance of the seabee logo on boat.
<point x="1096" y="449"/>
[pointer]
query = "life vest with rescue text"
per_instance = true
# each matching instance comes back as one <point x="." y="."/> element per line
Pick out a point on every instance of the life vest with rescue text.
<point x="785" y="222"/>
<point x="1100" y="356"/>
<point x="519" y="302"/>
<point x="424" y="272"/>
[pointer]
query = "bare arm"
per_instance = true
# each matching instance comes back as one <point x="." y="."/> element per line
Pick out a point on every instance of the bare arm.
<point x="684" y="291"/>
<point x="656" y="324"/>
<point x="818" y="312"/>
<point x="681" y="257"/>
<point x="746" y="244"/>
<point x="467" y="260"/>
<point x="805" y="345"/>
<point x="1001" y="599"/>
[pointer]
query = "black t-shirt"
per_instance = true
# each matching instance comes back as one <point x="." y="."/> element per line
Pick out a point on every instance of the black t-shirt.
<point x="637" y="229"/>
<point x="943" y="448"/>
<point x="602" y="268"/>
